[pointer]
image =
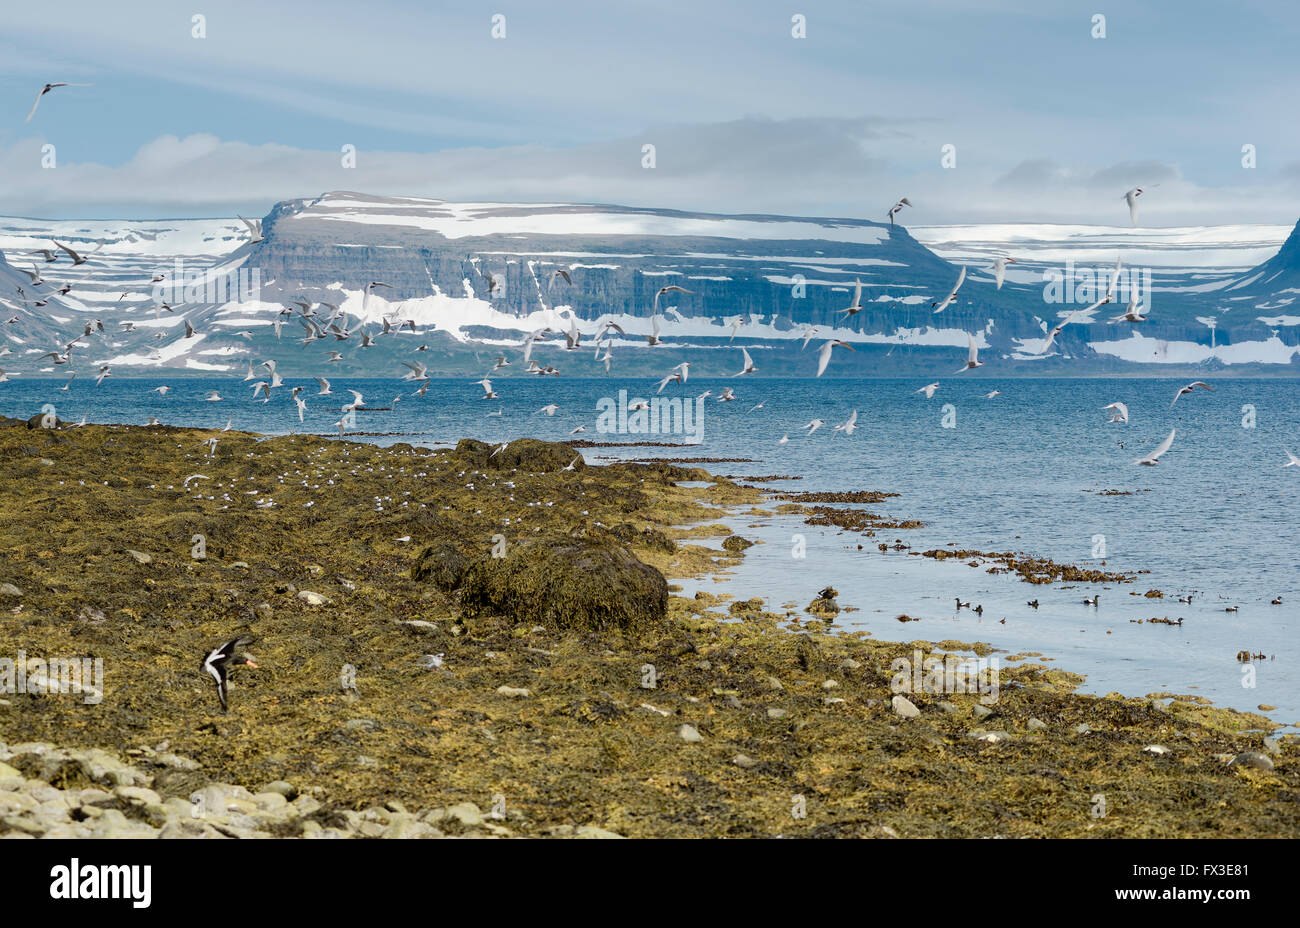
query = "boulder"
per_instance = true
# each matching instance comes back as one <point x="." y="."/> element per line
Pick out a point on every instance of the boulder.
<point x="566" y="583"/>
<point x="524" y="454"/>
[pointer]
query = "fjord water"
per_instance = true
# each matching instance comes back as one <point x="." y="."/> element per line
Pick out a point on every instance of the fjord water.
<point x="1021" y="472"/>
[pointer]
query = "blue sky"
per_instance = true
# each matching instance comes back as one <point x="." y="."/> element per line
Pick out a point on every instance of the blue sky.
<point x="1049" y="123"/>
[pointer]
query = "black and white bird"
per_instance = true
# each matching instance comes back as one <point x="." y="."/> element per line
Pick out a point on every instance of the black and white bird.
<point x="219" y="661"/>
<point x="896" y="208"/>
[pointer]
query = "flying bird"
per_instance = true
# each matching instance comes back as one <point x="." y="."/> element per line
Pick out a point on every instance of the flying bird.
<point x="897" y="208"/>
<point x="1131" y="198"/>
<point x="254" y="229"/>
<point x="928" y="390"/>
<point x="952" y="294"/>
<point x="824" y="356"/>
<point x="856" y="306"/>
<point x="972" y="360"/>
<point x="1190" y="387"/>
<point x="219" y="661"/>
<point x="1000" y="269"/>
<point x="848" y="427"/>
<point x="1154" y="457"/>
<point x="46" y="89"/>
<point x="1118" y="412"/>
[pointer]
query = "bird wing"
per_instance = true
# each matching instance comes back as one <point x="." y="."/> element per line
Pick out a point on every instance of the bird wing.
<point x="824" y="357"/>
<point x="75" y="257"/>
<point x="34" y="105"/>
<point x="1163" y="447"/>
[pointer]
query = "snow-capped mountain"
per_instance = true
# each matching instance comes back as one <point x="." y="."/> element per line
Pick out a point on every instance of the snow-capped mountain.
<point x="465" y="281"/>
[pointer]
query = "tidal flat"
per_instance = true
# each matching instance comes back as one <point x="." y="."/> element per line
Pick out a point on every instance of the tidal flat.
<point x="483" y="642"/>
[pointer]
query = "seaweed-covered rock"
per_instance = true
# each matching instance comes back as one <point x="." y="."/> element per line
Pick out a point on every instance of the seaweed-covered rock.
<point x="825" y="604"/>
<point x="524" y="454"/>
<point x="566" y="583"/>
<point x="648" y="537"/>
<point x="441" y="563"/>
<point x="661" y="471"/>
<point x="736" y="544"/>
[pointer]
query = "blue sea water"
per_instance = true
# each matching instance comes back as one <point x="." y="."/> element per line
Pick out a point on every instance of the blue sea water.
<point x="1018" y="472"/>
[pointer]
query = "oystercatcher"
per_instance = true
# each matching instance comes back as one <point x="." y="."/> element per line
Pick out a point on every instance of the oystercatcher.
<point x="218" y="662"/>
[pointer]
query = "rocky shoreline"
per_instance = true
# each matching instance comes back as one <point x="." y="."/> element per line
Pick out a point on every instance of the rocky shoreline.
<point x="474" y="642"/>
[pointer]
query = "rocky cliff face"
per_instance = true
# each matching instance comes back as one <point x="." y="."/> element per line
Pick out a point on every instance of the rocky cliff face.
<point x="475" y="278"/>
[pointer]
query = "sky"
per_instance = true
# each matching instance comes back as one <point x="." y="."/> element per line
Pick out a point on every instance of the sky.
<point x="1048" y="122"/>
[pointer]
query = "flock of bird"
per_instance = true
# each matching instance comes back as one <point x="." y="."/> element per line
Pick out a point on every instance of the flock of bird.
<point x="318" y="325"/>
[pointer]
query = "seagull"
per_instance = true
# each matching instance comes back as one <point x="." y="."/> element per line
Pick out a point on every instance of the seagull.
<point x="824" y="356"/>
<point x="1131" y="197"/>
<point x="672" y="288"/>
<point x="46" y="89"/>
<point x="989" y="396"/>
<point x="784" y="439"/>
<point x="814" y="425"/>
<point x="76" y="258"/>
<point x="71" y="378"/>
<point x="573" y="462"/>
<point x="550" y="409"/>
<point x="1133" y="313"/>
<point x="357" y="401"/>
<point x="334" y="356"/>
<point x="748" y="366"/>
<point x="1000" y="269"/>
<point x="896" y="208"/>
<point x="1118" y="412"/>
<point x="276" y="379"/>
<point x="808" y="334"/>
<point x="856" y="306"/>
<point x="324" y="386"/>
<point x="299" y="402"/>
<point x="972" y="360"/>
<point x="161" y="391"/>
<point x="849" y="427"/>
<point x="952" y="295"/>
<point x="212" y="397"/>
<point x="653" y="338"/>
<point x="219" y="661"/>
<point x="1190" y="387"/>
<point x="1154" y="457"/>
<point x="487" y="389"/>
<point x="929" y="390"/>
<point x="254" y="230"/>
<point x="727" y="395"/>
<point x="1293" y="462"/>
<point x="189" y="329"/>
